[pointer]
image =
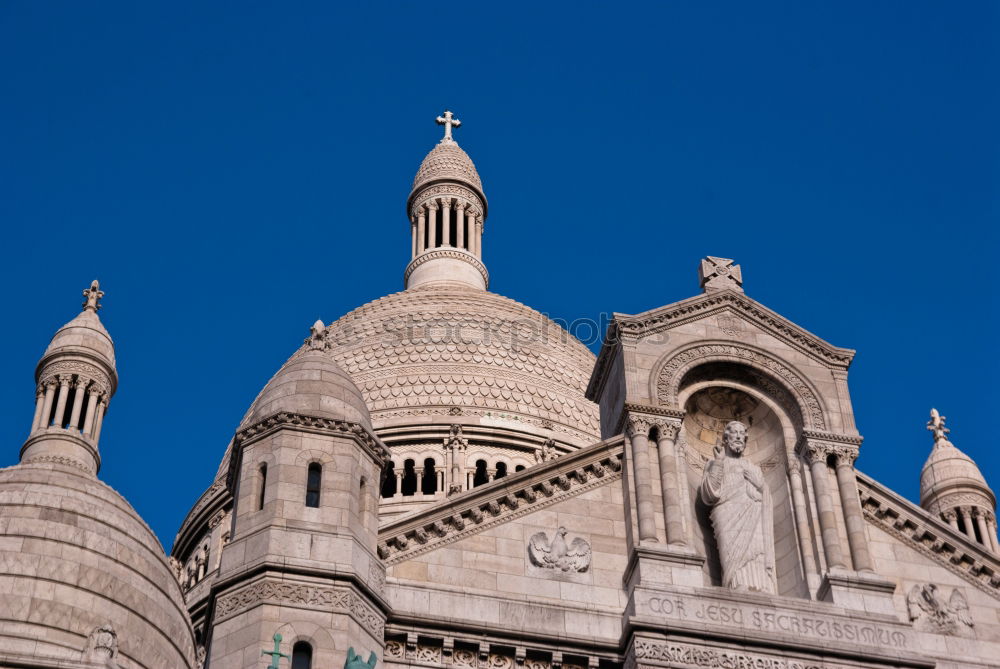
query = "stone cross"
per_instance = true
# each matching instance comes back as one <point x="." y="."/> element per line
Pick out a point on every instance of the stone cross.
<point x="275" y="654"/>
<point x="449" y="122"/>
<point x="936" y="425"/>
<point x="93" y="295"/>
<point x="719" y="274"/>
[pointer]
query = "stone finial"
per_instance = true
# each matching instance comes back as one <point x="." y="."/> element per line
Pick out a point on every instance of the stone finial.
<point x="317" y="336"/>
<point x="449" y="122"/>
<point x="93" y="295"/>
<point x="719" y="274"/>
<point x="936" y="425"/>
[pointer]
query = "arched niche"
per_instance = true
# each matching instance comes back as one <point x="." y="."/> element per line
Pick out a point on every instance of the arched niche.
<point x="712" y="394"/>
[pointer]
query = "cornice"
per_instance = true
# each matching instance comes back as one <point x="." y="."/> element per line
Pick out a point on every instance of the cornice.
<point x="929" y="536"/>
<point x="447" y="252"/>
<point x="501" y="501"/>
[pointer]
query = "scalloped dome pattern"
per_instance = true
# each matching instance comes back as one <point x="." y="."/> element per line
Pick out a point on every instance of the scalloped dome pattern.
<point x="416" y="352"/>
<point x="447" y="160"/>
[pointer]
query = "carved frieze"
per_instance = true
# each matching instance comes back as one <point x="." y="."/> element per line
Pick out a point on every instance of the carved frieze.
<point x="677" y="654"/>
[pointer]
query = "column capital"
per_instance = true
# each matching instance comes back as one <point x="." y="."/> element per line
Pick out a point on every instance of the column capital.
<point x="637" y="425"/>
<point x="794" y="465"/>
<point x="976" y="512"/>
<point x="65" y="379"/>
<point x="844" y="455"/>
<point x="432" y="205"/>
<point x="50" y="382"/>
<point x="460" y="205"/>
<point x="668" y="428"/>
<point x="949" y="515"/>
<point x="990" y="516"/>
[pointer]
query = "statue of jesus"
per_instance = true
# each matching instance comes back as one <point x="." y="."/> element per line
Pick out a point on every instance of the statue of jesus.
<point x="741" y="514"/>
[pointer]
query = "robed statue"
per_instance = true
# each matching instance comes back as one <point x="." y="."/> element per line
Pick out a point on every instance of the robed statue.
<point x="741" y="514"/>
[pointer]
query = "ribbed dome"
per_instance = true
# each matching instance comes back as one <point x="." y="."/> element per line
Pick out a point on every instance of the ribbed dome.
<point x="85" y="335"/>
<point x="75" y="556"/>
<point x="312" y="384"/>
<point x="447" y="161"/>
<point x="434" y="350"/>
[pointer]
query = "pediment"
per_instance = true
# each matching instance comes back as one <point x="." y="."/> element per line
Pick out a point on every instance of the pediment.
<point x="501" y="501"/>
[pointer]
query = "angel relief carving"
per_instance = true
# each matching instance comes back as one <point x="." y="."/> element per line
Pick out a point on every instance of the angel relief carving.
<point x="929" y="611"/>
<point x="557" y="554"/>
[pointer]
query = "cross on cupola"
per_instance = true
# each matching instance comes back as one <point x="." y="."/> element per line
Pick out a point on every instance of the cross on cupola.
<point x="449" y="122"/>
<point x="93" y="295"/>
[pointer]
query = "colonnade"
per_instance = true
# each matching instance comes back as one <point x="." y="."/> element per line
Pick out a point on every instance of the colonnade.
<point x="86" y="412"/>
<point x="431" y="226"/>
<point x="974" y="518"/>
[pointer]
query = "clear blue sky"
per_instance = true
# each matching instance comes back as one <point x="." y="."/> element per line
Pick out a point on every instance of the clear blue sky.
<point x="232" y="171"/>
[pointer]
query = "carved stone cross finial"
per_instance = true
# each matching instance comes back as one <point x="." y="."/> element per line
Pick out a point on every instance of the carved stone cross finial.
<point x="449" y="122"/>
<point x="275" y="654"/>
<point x="936" y="425"/>
<point x="718" y="274"/>
<point x="93" y="295"/>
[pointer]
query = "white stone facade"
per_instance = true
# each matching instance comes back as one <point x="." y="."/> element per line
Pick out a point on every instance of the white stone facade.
<point x="446" y="478"/>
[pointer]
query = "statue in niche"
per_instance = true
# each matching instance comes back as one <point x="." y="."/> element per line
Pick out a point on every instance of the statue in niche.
<point x="741" y="514"/>
<point x="929" y="612"/>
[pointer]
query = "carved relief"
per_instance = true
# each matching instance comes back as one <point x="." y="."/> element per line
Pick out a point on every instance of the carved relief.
<point x="680" y="654"/>
<point x="557" y="554"/>
<point x="102" y="645"/>
<point x="929" y="611"/>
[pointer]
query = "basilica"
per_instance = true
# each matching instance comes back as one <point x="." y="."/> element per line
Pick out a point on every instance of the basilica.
<point x="446" y="478"/>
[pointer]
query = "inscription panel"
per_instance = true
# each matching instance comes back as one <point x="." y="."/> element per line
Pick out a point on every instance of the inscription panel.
<point x="744" y="617"/>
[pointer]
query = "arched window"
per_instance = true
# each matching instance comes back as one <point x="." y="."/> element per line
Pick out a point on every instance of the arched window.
<point x="314" y="481"/>
<point x="501" y="470"/>
<point x="262" y="479"/>
<point x="519" y="468"/>
<point x="302" y="655"/>
<point x="480" y="476"/>
<point x="389" y="482"/>
<point x="428" y="482"/>
<point x="409" y="477"/>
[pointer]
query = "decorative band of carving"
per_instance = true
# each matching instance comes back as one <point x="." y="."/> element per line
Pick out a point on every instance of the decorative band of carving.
<point x="446" y="252"/>
<point x="682" y="654"/>
<point x="670" y="375"/>
<point x="446" y="190"/>
<point x="816" y="446"/>
<point x="59" y="460"/>
<point x="83" y="369"/>
<point x="284" y="418"/>
<point x="301" y="595"/>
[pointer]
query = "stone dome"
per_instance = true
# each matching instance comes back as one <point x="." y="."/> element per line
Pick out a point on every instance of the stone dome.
<point x="448" y="162"/>
<point x="75" y="556"/>
<point x="948" y="470"/>
<point x="312" y="384"/>
<point x="451" y="350"/>
<point x="84" y="335"/>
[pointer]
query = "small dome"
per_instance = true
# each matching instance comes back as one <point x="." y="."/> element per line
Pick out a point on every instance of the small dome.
<point x="84" y="335"/>
<point x="447" y="161"/>
<point x="950" y="470"/>
<point x="75" y="556"/>
<point x="312" y="384"/>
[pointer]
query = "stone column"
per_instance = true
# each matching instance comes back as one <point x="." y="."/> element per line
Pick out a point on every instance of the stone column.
<point x="967" y="522"/>
<point x="446" y="222"/>
<point x="50" y="394"/>
<point x="980" y="518"/>
<point x="479" y="238"/>
<point x="39" y="405"/>
<point x="638" y="435"/>
<point x="88" y="420"/>
<point x="816" y="454"/>
<point x="399" y="482"/>
<point x="102" y="405"/>
<point x="460" y="224"/>
<point x="667" y="431"/>
<point x="74" y="416"/>
<point x="812" y="564"/>
<point x="413" y="237"/>
<point x="991" y="530"/>
<point x="64" y="380"/>
<point x="421" y="230"/>
<point x="854" y="519"/>
<point x="952" y="519"/>
<point x="432" y="207"/>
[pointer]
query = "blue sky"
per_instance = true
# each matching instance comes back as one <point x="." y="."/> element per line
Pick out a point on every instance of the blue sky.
<point x="232" y="171"/>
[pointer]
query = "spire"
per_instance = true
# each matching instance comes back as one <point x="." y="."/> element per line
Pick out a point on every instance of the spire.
<point x="75" y="380"/>
<point x="447" y="211"/>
